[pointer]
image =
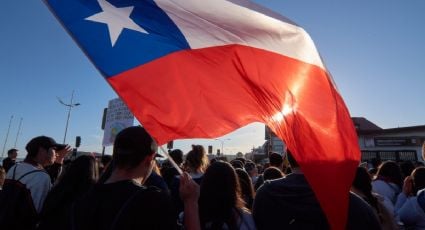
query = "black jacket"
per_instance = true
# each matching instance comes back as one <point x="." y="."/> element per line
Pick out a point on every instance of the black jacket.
<point x="290" y="203"/>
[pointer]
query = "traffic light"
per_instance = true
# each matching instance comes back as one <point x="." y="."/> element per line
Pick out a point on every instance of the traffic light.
<point x="77" y="141"/>
<point x="209" y="149"/>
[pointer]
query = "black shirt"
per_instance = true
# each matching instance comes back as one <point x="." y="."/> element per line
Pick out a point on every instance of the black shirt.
<point x="290" y="203"/>
<point x="124" y="205"/>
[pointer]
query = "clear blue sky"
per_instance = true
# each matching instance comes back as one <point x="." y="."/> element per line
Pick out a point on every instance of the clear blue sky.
<point x="374" y="49"/>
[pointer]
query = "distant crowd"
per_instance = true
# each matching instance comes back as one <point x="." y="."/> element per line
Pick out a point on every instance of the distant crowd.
<point x="50" y="189"/>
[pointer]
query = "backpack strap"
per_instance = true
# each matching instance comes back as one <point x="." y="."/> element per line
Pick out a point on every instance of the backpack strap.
<point x="30" y="172"/>
<point x="14" y="170"/>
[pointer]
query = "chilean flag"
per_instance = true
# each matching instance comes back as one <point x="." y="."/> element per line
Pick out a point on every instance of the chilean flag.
<point x="203" y="68"/>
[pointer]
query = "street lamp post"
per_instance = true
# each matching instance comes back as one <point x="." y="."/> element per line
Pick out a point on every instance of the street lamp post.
<point x="70" y="106"/>
<point x="222" y="143"/>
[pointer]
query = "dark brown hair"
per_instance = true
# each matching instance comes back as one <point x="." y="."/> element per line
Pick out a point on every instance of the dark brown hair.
<point x="220" y="196"/>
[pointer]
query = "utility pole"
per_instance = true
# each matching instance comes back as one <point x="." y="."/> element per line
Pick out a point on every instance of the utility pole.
<point x="222" y="143"/>
<point x="17" y="134"/>
<point x="7" y="136"/>
<point x="70" y="106"/>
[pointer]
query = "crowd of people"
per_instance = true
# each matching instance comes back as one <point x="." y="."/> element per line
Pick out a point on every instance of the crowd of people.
<point x="132" y="190"/>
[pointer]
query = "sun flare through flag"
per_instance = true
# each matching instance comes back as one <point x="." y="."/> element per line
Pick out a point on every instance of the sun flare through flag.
<point x="201" y="69"/>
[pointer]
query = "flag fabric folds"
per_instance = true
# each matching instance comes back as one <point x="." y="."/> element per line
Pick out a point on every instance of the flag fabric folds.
<point x="200" y="69"/>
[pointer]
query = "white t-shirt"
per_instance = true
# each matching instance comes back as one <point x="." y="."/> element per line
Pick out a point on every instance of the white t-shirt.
<point x="38" y="183"/>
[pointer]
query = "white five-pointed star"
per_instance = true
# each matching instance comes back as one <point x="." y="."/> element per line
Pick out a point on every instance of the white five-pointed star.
<point x="116" y="18"/>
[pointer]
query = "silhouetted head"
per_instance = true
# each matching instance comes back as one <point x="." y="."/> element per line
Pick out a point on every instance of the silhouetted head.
<point x="177" y="156"/>
<point x="132" y="145"/>
<point x="275" y="159"/>
<point x="390" y="171"/>
<point x="196" y="159"/>
<point x="418" y="176"/>
<point x="272" y="173"/>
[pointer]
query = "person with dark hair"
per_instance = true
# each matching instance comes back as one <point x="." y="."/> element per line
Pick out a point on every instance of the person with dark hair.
<point x="195" y="164"/>
<point x="276" y="160"/>
<point x="10" y="160"/>
<point x="237" y="164"/>
<point x="290" y="203"/>
<point x="272" y="173"/>
<point x="388" y="184"/>
<point x="122" y="201"/>
<point x="42" y="151"/>
<point x="252" y="171"/>
<point x="168" y="172"/>
<point x="177" y="156"/>
<point x="74" y="182"/>
<point x="247" y="189"/>
<point x="410" y="206"/>
<point x="242" y="160"/>
<point x="362" y="186"/>
<point x="220" y="202"/>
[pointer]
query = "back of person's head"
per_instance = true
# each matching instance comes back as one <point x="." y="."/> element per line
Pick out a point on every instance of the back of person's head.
<point x="363" y="183"/>
<point x="390" y="171"/>
<point x="80" y="174"/>
<point x="219" y="194"/>
<point x="44" y="142"/>
<point x="247" y="189"/>
<point x="132" y="145"/>
<point x="275" y="159"/>
<point x="292" y="162"/>
<point x="237" y="164"/>
<point x="250" y="166"/>
<point x="272" y="173"/>
<point x="75" y="181"/>
<point x="241" y="159"/>
<point x="196" y="159"/>
<point x="418" y="176"/>
<point x="177" y="156"/>
<point x="11" y="152"/>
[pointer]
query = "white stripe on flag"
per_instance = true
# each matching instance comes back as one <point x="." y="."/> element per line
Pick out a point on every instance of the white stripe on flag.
<point x="208" y="23"/>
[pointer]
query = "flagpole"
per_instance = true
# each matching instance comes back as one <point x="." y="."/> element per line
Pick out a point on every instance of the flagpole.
<point x="7" y="136"/>
<point x="171" y="160"/>
<point x="17" y="134"/>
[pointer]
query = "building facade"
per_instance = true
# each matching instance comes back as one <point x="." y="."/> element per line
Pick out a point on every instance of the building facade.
<point x="396" y="144"/>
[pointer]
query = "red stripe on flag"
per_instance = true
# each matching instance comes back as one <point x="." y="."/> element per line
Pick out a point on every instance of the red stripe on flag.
<point x="212" y="91"/>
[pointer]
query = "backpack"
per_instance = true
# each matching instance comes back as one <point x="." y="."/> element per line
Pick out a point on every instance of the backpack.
<point x="17" y="209"/>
